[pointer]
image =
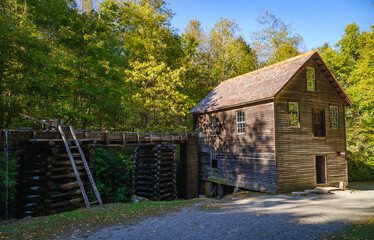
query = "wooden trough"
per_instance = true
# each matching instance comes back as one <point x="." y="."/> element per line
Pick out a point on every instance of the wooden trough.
<point x="46" y="182"/>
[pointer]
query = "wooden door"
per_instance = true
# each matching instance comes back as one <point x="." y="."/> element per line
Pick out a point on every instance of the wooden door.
<point x="321" y="175"/>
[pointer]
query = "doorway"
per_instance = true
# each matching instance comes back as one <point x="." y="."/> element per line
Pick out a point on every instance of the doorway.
<point x="321" y="174"/>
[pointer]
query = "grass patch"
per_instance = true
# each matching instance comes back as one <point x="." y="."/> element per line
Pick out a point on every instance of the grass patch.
<point x="84" y="220"/>
<point x="363" y="230"/>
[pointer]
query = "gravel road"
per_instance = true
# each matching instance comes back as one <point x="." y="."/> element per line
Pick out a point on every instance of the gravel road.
<point x="261" y="217"/>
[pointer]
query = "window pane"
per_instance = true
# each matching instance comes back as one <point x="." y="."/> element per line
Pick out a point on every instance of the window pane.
<point x="240" y="122"/>
<point x="213" y="126"/>
<point x="293" y="114"/>
<point x="213" y="158"/>
<point x="310" y="79"/>
<point x="334" y="116"/>
<point x="213" y="154"/>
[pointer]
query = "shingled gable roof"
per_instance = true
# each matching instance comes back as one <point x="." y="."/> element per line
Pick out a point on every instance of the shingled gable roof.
<point x="262" y="84"/>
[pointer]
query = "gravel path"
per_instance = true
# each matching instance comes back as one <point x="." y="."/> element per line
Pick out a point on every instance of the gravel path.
<point x="262" y="217"/>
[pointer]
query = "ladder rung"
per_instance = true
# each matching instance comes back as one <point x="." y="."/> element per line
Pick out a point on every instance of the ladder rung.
<point x="60" y="169"/>
<point x="94" y="202"/>
<point x="64" y="155"/>
<point x="88" y="171"/>
<point x="74" y="147"/>
<point x="70" y="193"/>
<point x="73" y="163"/>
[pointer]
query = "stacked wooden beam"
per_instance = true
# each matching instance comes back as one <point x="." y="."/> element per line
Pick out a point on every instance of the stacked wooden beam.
<point x="31" y="181"/>
<point x="63" y="192"/>
<point x="46" y="181"/>
<point x="155" y="172"/>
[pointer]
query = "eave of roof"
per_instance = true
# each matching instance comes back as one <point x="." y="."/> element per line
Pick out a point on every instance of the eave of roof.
<point x="262" y="84"/>
<point x="332" y="80"/>
<point x="271" y="66"/>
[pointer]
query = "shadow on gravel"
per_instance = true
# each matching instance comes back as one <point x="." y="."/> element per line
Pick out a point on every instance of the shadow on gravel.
<point x="341" y="207"/>
<point x="269" y="217"/>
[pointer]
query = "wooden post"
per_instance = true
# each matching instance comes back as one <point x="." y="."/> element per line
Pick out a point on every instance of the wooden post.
<point x="123" y="138"/>
<point x="220" y="194"/>
<point x="190" y="159"/>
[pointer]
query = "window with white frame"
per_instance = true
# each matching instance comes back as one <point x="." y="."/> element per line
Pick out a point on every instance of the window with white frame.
<point x="213" y="126"/>
<point x="293" y="114"/>
<point x="240" y="123"/>
<point x="334" y="116"/>
<point x="310" y="79"/>
<point x="213" y="158"/>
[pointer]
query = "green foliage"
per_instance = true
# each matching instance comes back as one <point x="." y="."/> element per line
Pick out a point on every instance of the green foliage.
<point x="229" y="55"/>
<point x="12" y="164"/>
<point x="276" y="41"/>
<point x="352" y="63"/>
<point x="213" y="56"/>
<point x="157" y="100"/>
<point x="360" y="167"/>
<point x="113" y="173"/>
<point x="120" y="65"/>
<point x="112" y="65"/>
<point x="63" y="60"/>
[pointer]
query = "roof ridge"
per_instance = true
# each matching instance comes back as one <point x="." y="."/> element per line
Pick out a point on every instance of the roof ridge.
<point x="275" y="64"/>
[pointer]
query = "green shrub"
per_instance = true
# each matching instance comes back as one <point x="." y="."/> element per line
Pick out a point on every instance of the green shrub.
<point x="112" y="169"/>
<point x="12" y="164"/>
<point x="360" y="167"/>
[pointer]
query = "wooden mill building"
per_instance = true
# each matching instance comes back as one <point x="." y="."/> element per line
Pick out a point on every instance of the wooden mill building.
<point x="277" y="129"/>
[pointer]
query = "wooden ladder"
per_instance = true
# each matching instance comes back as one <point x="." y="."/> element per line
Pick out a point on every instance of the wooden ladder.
<point x="88" y="171"/>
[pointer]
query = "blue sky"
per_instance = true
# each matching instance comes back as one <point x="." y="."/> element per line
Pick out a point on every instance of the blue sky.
<point x="317" y="21"/>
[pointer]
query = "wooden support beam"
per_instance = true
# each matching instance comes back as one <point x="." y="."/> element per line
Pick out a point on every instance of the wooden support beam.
<point x="123" y="139"/>
<point x="103" y="137"/>
<point x="107" y="140"/>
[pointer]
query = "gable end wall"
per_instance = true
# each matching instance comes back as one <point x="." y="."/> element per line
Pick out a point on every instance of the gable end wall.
<point x="296" y="148"/>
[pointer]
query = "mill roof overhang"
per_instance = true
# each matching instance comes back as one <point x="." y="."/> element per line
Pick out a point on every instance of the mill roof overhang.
<point x="263" y="84"/>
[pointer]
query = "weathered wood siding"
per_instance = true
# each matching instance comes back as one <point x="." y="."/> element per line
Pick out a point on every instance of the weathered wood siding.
<point x="296" y="148"/>
<point x="244" y="160"/>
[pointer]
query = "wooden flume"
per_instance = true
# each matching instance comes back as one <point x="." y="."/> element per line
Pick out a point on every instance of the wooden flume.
<point x="46" y="182"/>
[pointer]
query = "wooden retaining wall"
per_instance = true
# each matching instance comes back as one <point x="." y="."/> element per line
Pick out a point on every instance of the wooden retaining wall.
<point x="155" y="172"/>
<point x="47" y="184"/>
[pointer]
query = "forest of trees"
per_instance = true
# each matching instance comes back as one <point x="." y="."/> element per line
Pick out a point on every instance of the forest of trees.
<point x="121" y="65"/>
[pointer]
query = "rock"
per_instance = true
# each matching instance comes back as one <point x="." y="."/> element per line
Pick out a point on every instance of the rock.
<point x="236" y="190"/>
<point x="343" y="185"/>
<point x="136" y="199"/>
<point x="25" y="219"/>
<point x="299" y="193"/>
<point x="328" y="189"/>
<point x="313" y="191"/>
